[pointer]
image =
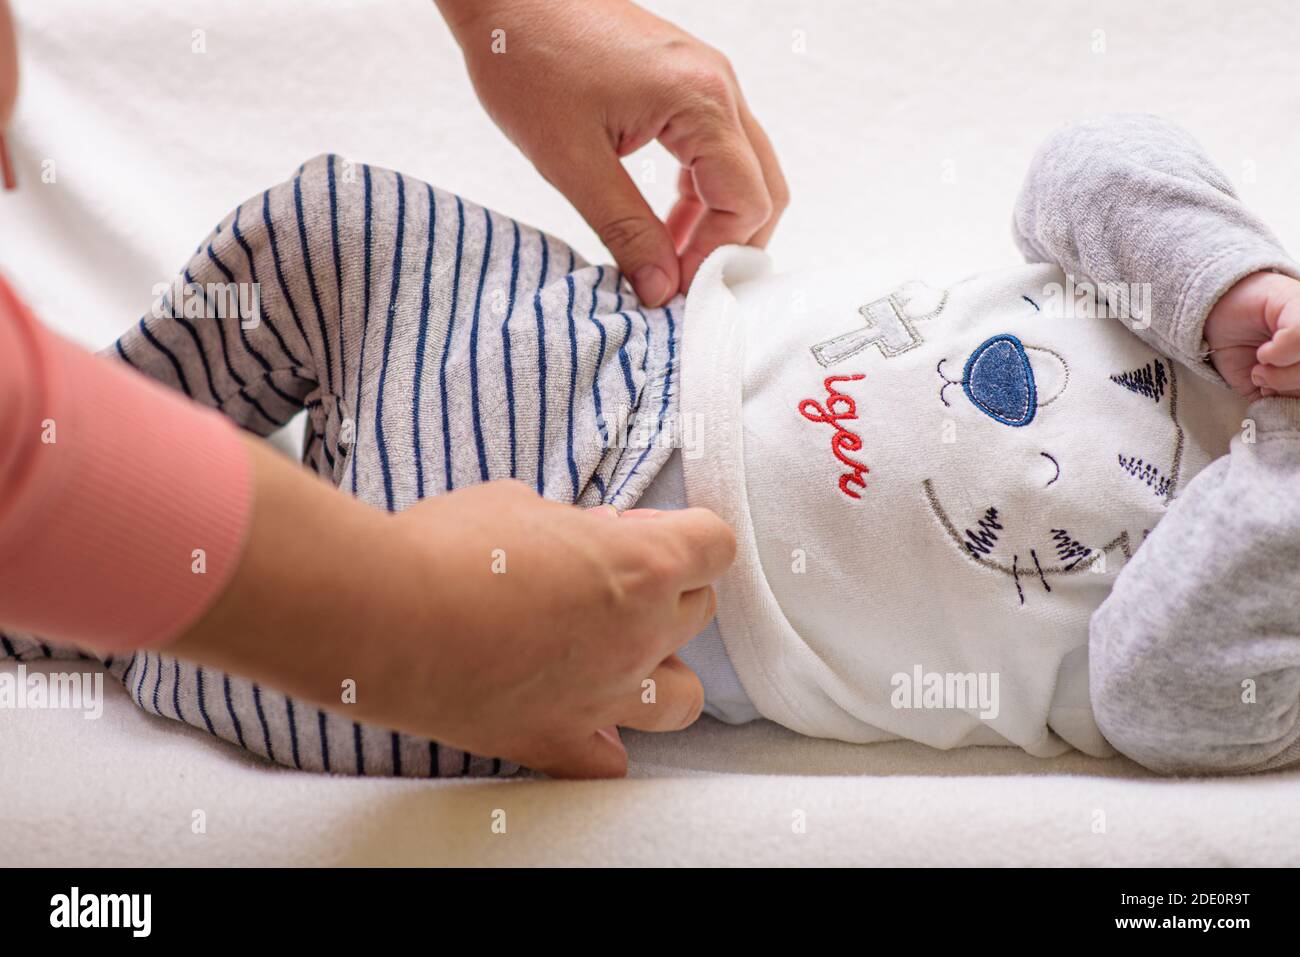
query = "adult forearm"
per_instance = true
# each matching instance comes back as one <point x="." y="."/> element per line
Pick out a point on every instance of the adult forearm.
<point x="324" y="585"/>
<point x="122" y="505"/>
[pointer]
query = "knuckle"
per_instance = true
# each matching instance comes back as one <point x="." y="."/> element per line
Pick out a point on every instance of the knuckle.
<point x="780" y="196"/>
<point x="763" y="208"/>
<point x="710" y="83"/>
<point x="659" y="570"/>
<point x="647" y="583"/>
<point x="724" y="63"/>
<point x="613" y="595"/>
<point x="625" y="232"/>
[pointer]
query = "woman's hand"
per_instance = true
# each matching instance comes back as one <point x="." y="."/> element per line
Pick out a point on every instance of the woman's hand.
<point x="1254" y="336"/>
<point x="554" y="618"/>
<point x="488" y="619"/>
<point x="578" y="85"/>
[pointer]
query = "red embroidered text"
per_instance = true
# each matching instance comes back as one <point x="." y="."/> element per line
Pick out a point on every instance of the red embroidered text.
<point x="838" y="409"/>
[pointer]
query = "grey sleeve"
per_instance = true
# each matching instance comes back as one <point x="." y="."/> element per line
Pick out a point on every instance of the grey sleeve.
<point x="1194" y="659"/>
<point x="1132" y="198"/>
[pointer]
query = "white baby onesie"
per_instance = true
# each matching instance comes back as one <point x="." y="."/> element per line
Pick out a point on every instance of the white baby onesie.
<point x="932" y="490"/>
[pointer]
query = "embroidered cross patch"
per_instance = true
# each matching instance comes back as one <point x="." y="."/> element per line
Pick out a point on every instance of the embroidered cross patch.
<point x="890" y="324"/>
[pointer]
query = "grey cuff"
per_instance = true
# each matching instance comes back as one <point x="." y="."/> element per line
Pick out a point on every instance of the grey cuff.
<point x="1276" y="414"/>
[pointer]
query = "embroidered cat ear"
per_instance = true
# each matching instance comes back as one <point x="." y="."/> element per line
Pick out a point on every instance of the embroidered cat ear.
<point x="1151" y="380"/>
<point x="1155" y="380"/>
<point x="915" y="300"/>
<point x="890" y="324"/>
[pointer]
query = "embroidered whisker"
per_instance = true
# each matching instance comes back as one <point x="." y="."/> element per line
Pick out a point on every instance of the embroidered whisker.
<point x="1069" y="549"/>
<point x="1041" y="577"/>
<point x="981" y="542"/>
<point x="1147" y="473"/>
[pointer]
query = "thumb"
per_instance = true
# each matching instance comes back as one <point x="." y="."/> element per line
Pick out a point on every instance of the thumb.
<point x="601" y="755"/>
<point x="601" y="190"/>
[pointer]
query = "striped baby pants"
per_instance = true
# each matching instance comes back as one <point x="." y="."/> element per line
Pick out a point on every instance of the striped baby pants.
<point x="434" y="344"/>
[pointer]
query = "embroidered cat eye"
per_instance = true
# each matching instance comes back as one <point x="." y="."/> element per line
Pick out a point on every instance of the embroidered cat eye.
<point x="999" y="381"/>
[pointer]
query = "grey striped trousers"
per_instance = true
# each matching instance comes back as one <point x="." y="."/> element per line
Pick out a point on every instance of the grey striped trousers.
<point x="433" y="344"/>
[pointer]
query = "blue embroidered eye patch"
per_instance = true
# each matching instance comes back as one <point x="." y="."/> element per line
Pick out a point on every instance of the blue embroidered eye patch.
<point x="999" y="381"/>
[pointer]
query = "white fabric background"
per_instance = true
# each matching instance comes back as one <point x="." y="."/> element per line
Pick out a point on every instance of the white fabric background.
<point x="152" y="143"/>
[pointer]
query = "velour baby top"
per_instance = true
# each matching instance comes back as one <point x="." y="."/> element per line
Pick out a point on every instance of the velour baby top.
<point x="932" y="487"/>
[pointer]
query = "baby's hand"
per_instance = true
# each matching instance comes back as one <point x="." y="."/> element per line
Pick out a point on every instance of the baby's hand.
<point x="1254" y="336"/>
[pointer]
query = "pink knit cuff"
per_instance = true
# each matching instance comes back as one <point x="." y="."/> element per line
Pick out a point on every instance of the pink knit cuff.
<point x="123" y="506"/>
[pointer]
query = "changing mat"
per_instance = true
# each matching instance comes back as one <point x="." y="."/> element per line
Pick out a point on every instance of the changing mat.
<point x="904" y="131"/>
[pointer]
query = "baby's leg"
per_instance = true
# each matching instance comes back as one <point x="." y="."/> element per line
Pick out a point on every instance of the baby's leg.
<point x="282" y="343"/>
<point x="434" y="344"/>
<point x="1195" y="655"/>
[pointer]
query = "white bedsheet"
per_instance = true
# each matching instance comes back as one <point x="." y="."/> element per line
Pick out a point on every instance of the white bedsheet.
<point x="904" y="130"/>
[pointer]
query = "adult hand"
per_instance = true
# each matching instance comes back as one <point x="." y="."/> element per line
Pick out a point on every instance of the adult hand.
<point x="576" y="86"/>
<point x="489" y="619"/>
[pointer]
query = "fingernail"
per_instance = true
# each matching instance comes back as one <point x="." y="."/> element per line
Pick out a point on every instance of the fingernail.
<point x="610" y="734"/>
<point x="652" y="285"/>
<point x="607" y="510"/>
<point x="1257" y="377"/>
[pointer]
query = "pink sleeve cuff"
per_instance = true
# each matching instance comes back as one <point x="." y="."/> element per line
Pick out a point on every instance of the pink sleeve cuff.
<point x="123" y="506"/>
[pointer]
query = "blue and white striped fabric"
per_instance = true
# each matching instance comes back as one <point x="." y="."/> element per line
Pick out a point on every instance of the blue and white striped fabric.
<point x="434" y="345"/>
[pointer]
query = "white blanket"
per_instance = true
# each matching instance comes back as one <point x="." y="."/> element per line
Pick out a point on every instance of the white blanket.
<point x="904" y="132"/>
<point x="125" y="789"/>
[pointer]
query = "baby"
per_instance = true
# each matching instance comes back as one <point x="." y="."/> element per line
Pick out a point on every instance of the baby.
<point x="934" y="486"/>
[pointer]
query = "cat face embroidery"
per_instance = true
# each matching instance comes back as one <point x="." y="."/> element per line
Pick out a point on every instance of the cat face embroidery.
<point x="1015" y="496"/>
<point x="1008" y="382"/>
